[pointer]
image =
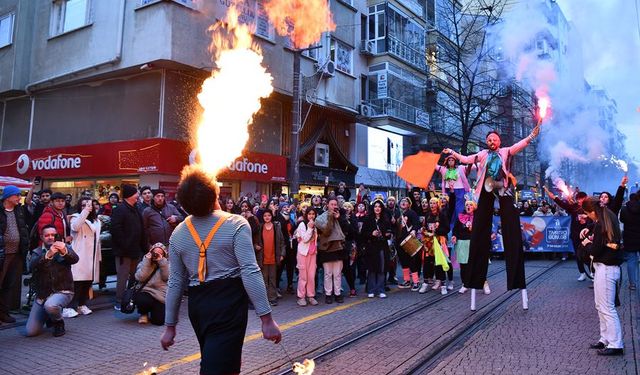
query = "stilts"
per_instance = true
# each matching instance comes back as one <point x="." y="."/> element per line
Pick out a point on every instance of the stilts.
<point x="525" y="300"/>
<point x="473" y="299"/>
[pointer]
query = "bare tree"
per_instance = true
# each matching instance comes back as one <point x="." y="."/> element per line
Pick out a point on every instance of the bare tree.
<point x="465" y="70"/>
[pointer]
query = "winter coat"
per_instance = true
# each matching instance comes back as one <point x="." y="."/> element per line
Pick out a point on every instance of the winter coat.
<point x="86" y="243"/>
<point x="156" y="226"/>
<point x="630" y="217"/>
<point x="375" y="245"/>
<point x="23" y="247"/>
<point x="306" y="236"/>
<point x="52" y="275"/>
<point x="331" y="240"/>
<point x="52" y="217"/>
<point x="279" y="243"/>
<point x="600" y="251"/>
<point x="157" y="285"/>
<point x="127" y="232"/>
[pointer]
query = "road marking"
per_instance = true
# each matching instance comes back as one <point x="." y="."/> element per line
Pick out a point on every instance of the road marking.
<point x="258" y="335"/>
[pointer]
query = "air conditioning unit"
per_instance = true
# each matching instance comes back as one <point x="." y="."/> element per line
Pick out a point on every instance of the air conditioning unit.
<point x="366" y="110"/>
<point x="368" y="47"/>
<point x="327" y="68"/>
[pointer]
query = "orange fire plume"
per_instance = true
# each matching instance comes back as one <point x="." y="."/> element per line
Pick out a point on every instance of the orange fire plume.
<point x="231" y="96"/>
<point x="303" y="21"/>
<point x="563" y="187"/>
<point x="305" y="368"/>
<point x="544" y="104"/>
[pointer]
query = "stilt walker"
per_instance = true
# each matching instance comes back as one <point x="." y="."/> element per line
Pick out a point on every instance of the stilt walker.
<point x="495" y="181"/>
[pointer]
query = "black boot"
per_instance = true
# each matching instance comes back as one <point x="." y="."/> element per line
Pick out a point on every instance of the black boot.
<point x="58" y="328"/>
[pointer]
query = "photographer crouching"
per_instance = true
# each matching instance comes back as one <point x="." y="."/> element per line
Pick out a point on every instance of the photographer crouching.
<point x="153" y="270"/>
<point x="53" y="282"/>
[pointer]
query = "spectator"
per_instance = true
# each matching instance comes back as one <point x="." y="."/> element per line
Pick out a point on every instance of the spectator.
<point x="377" y="230"/>
<point x="160" y="219"/>
<point x="96" y="206"/>
<point x="68" y="207"/>
<point x="287" y="228"/>
<point x="306" y="258"/>
<point x="146" y="195"/>
<point x="53" y="282"/>
<point x="332" y="228"/>
<point x="41" y="204"/>
<point x="85" y="231"/>
<point x="129" y="241"/>
<point x="630" y="217"/>
<point x="154" y="270"/>
<point x="270" y="250"/>
<point x="55" y="215"/>
<point x="14" y="244"/>
<point x="230" y="207"/>
<point x="108" y="207"/>
<point x="543" y="210"/>
<point x="526" y="209"/>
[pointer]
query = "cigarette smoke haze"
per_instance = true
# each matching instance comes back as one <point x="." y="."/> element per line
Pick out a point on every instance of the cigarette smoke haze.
<point x="576" y="134"/>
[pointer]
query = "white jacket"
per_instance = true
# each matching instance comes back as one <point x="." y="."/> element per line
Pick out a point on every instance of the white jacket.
<point x="86" y="243"/>
<point x="305" y="237"/>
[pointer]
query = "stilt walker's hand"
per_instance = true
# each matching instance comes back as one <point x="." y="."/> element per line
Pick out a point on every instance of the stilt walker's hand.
<point x="168" y="337"/>
<point x="270" y="330"/>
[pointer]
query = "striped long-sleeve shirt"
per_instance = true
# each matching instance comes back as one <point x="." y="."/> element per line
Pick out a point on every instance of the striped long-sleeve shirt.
<point x="230" y="254"/>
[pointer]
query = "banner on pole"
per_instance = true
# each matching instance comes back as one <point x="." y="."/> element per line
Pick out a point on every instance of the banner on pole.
<point x="539" y="234"/>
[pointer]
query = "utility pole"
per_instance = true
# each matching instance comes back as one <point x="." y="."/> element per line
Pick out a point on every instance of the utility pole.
<point x="296" y="126"/>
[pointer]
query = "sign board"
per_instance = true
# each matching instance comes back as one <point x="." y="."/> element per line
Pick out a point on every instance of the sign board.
<point x="539" y="234"/>
<point x="383" y="87"/>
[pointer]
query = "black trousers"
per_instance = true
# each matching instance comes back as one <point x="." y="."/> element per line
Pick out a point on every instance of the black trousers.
<point x="149" y="305"/>
<point x="464" y="274"/>
<point x="578" y="254"/>
<point x="80" y="293"/>
<point x="289" y="264"/>
<point x="480" y="245"/>
<point x="218" y="311"/>
<point x="349" y="272"/>
<point x="429" y="267"/>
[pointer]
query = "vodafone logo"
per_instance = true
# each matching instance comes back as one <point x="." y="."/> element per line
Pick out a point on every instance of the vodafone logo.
<point x="22" y="166"/>
<point x="52" y="162"/>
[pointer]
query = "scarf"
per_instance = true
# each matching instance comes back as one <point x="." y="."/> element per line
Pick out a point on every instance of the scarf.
<point x="465" y="218"/>
<point x="494" y="165"/>
<point x="451" y="175"/>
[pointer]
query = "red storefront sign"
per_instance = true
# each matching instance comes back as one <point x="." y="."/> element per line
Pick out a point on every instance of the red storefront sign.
<point x="145" y="156"/>
<point x="154" y="155"/>
<point x="257" y="167"/>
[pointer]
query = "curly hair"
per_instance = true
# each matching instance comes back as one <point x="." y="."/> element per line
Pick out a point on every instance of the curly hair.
<point x="197" y="191"/>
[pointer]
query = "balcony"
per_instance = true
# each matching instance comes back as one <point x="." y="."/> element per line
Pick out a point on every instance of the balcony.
<point x="388" y="107"/>
<point x="412" y="56"/>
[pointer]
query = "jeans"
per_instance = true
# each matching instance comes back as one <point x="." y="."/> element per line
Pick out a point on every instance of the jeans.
<point x="375" y="278"/>
<point x="51" y="308"/>
<point x="604" y="290"/>
<point x="126" y="269"/>
<point x="333" y="277"/>
<point x="269" y="274"/>
<point x="632" y="266"/>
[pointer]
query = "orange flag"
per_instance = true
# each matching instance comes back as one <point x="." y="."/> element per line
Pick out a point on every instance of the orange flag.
<point x="418" y="169"/>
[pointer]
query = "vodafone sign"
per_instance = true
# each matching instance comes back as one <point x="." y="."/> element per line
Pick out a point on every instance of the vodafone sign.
<point x="154" y="155"/>
<point x="257" y="167"/>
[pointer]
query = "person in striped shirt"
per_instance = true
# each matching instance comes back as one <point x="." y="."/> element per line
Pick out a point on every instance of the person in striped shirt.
<point x="211" y="253"/>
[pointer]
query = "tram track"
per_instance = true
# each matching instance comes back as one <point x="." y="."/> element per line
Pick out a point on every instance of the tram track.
<point x="442" y="343"/>
<point x="373" y="328"/>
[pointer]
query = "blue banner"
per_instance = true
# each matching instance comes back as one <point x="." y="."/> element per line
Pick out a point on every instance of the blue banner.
<point x="539" y="234"/>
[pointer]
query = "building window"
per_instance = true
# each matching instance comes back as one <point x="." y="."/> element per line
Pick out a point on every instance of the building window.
<point x="377" y="27"/>
<point x="342" y="55"/>
<point x="67" y="15"/>
<point x="6" y="29"/>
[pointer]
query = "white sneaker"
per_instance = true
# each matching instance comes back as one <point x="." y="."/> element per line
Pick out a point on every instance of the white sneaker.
<point x="84" y="310"/>
<point x="582" y="277"/>
<point x="423" y="288"/>
<point x="462" y="290"/>
<point x="69" y="313"/>
<point x="371" y="295"/>
<point x="486" y="288"/>
<point x="443" y="290"/>
<point x="450" y="285"/>
<point x="436" y="285"/>
<point x="382" y="295"/>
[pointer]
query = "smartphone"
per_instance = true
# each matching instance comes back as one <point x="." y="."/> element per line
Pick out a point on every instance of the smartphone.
<point x="58" y="237"/>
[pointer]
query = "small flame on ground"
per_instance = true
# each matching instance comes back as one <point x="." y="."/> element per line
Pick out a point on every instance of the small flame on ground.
<point x="303" y="21"/>
<point x="231" y="96"/>
<point x="305" y="368"/>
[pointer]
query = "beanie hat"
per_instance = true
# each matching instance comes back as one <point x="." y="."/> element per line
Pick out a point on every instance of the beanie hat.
<point x="128" y="191"/>
<point x="9" y="191"/>
<point x="155" y="192"/>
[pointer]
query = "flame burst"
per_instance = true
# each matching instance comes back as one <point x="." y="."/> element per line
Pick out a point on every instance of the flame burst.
<point x="305" y="368"/>
<point x="543" y="103"/>
<point x="303" y="21"/>
<point x="231" y="96"/>
<point x="562" y="186"/>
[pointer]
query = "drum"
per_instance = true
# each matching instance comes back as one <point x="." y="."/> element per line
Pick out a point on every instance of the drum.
<point x="411" y="245"/>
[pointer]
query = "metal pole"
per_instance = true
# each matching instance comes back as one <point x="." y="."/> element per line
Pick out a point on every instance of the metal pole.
<point x="296" y="119"/>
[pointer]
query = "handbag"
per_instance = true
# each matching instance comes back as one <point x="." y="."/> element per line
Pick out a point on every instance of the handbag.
<point x="129" y="295"/>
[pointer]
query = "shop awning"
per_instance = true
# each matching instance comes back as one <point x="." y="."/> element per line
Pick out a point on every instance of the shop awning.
<point x="18" y="182"/>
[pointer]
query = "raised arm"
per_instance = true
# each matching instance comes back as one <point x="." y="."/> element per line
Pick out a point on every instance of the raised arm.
<point x="469" y="159"/>
<point x="524" y="142"/>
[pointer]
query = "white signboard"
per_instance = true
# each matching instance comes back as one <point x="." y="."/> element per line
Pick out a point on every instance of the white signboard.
<point x="382" y="85"/>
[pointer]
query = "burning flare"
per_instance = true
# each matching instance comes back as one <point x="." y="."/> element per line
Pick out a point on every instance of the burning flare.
<point x="562" y="186"/>
<point x="305" y="368"/>
<point x="303" y="21"/>
<point x="543" y="104"/>
<point x="231" y="96"/>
